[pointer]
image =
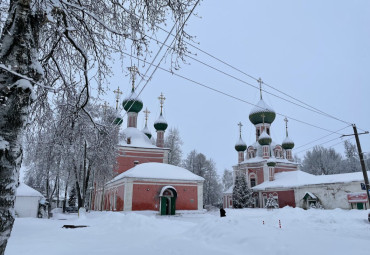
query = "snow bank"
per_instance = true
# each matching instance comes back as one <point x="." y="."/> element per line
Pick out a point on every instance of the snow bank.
<point x="241" y="232"/>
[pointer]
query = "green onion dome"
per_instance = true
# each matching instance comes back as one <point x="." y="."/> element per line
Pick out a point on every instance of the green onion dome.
<point x="264" y="139"/>
<point x="287" y="144"/>
<point x="132" y="103"/>
<point x="255" y="116"/>
<point x="147" y="132"/>
<point x="160" y="124"/>
<point x="118" y="121"/>
<point x="240" y="145"/>
<point x="271" y="163"/>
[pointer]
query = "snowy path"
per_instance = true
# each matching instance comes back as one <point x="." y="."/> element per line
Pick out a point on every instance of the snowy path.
<point x="241" y="232"/>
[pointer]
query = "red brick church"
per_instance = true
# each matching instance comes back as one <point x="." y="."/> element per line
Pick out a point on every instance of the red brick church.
<point x="142" y="178"/>
<point x="260" y="161"/>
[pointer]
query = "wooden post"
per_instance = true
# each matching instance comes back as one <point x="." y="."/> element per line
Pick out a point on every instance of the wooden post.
<point x="362" y="162"/>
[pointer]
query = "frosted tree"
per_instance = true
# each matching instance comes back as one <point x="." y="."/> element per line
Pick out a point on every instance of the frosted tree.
<point x="173" y="142"/>
<point x="206" y="168"/>
<point x="351" y="163"/>
<point x="322" y="161"/>
<point x="227" y="179"/>
<point x="242" y="194"/>
<point x="271" y="202"/>
<point x="61" y="46"/>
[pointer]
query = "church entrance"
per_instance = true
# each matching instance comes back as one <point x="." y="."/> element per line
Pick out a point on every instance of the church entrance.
<point x="168" y="197"/>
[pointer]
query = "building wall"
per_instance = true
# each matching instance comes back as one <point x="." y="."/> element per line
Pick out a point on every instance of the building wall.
<point x="285" y="197"/>
<point x="332" y="195"/>
<point x="146" y="196"/>
<point x="129" y="195"/>
<point x="128" y="156"/>
<point x="26" y="206"/>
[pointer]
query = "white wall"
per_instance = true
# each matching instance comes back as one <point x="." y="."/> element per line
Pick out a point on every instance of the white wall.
<point x="26" y="206"/>
<point x="331" y="196"/>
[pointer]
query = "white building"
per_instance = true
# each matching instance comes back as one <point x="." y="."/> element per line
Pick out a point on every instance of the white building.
<point x="27" y="201"/>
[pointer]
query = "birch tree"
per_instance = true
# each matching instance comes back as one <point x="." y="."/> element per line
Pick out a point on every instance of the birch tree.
<point x="64" y="45"/>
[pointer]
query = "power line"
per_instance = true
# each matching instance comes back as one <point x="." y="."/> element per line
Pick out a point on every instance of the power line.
<point x="309" y="107"/>
<point x="325" y="143"/>
<point x="156" y="67"/>
<point x="228" y="95"/>
<point x="320" y="138"/>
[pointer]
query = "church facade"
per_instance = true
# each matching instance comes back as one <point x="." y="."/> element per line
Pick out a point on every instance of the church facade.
<point x="142" y="177"/>
<point x="270" y="171"/>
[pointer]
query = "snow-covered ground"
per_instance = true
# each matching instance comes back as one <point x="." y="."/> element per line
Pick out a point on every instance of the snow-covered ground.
<point x="240" y="232"/>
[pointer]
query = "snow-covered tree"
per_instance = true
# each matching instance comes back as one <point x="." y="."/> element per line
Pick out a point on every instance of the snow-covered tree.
<point x="227" y="179"/>
<point x="242" y="194"/>
<point x="322" y="161"/>
<point x="173" y="142"/>
<point x="72" y="197"/>
<point x="62" y="46"/>
<point x="271" y="203"/>
<point x="206" y="168"/>
<point x="351" y="163"/>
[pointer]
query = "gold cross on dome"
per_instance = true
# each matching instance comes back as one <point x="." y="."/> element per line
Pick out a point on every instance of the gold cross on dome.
<point x="161" y="101"/>
<point x="146" y="115"/>
<point x="118" y="93"/>
<point x="133" y="70"/>
<point x="240" y="128"/>
<point x="260" y="82"/>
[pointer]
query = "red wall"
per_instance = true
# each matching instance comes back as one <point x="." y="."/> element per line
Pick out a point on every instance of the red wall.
<point x="146" y="196"/>
<point x="259" y="173"/>
<point x="126" y="159"/>
<point x="286" y="197"/>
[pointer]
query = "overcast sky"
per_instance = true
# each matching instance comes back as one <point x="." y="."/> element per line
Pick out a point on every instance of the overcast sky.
<point x="315" y="51"/>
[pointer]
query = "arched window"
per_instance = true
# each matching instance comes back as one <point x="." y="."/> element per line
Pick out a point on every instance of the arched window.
<point x="252" y="180"/>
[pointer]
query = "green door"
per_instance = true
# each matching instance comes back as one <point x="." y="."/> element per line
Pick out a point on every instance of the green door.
<point x="164" y="206"/>
<point x="173" y="205"/>
<point x="360" y="206"/>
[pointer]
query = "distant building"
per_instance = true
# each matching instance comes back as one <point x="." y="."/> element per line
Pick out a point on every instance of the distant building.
<point x="27" y="201"/>
<point x="269" y="169"/>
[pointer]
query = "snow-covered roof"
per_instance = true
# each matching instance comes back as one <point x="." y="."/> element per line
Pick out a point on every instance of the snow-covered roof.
<point x="287" y="140"/>
<point x="137" y="138"/>
<point x="229" y="190"/>
<point x="261" y="106"/>
<point x="299" y="178"/>
<point x="159" y="171"/>
<point x="259" y="159"/>
<point x="240" y="142"/>
<point x="264" y="135"/>
<point x="24" y="190"/>
<point x="146" y="130"/>
<point x="134" y="96"/>
<point x="310" y="194"/>
<point x="160" y="119"/>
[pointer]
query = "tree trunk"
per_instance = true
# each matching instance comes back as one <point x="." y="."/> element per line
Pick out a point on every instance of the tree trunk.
<point x="18" y="55"/>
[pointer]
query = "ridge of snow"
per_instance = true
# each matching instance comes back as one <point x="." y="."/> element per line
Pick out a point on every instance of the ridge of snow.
<point x="24" y="190"/>
<point x="160" y="120"/>
<point x="137" y="137"/>
<point x="261" y="106"/>
<point x="158" y="171"/>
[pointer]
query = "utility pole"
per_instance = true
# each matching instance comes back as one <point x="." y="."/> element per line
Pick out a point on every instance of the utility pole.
<point x="362" y="161"/>
<point x="363" y="167"/>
